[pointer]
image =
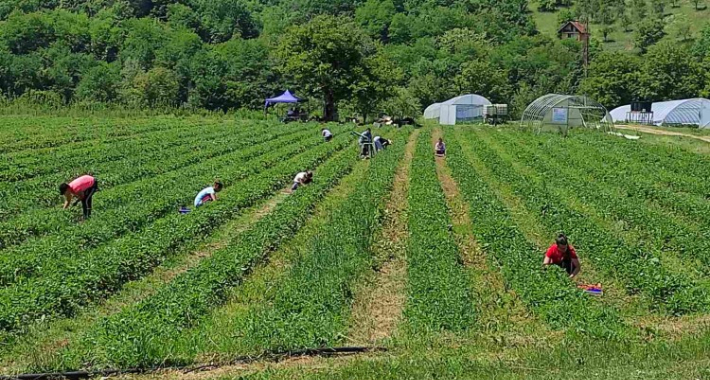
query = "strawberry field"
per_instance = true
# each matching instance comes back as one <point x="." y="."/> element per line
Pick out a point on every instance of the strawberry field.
<point x="430" y="267"/>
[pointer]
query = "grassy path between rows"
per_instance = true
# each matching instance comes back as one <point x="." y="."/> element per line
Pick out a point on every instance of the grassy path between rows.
<point x="378" y="306"/>
<point x="500" y="312"/>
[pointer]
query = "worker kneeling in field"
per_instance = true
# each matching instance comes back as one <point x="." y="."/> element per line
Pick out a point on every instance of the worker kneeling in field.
<point x="380" y="143"/>
<point x="327" y="135"/>
<point x="563" y="255"/>
<point x="208" y="194"/>
<point x="440" y="148"/>
<point x="302" y="178"/>
<point x="83" y="189"/>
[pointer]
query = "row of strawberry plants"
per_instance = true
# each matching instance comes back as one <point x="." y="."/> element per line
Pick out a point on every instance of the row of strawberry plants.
<point x="25" y="165"/>
<point x="119" y="204"/>
<point x="19" y="264"/>
<point x="621" y="193"/>
<point x="312" y="304"/>
<point x="146" y="334"/>
<point x="62" y="291"/>
<point x="639" y="269"/>
<point x="675" y="167"/>
<point x="157" y="157"/>
<point x="675" y="191"/>
<point x="53" y="132"/>
<point x="439" y="295"/>
<point x="549" y="294"/>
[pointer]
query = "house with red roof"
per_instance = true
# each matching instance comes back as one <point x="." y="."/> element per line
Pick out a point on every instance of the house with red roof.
<point x="573" y="29"/>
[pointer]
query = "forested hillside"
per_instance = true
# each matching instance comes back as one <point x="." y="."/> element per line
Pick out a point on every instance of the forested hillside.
<point x="360" y="57"/>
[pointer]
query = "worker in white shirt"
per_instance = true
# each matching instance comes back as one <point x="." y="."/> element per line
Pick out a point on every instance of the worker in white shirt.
<point x="302" y="178"/>
<point x="327" y="135"/>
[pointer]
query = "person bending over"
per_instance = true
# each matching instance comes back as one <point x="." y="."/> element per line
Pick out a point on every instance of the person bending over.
<point x="327" y="135"/>
<point x="208" y="194"/>
<point x="302" y="178"/>
<point x="563" y="255"/>
<point x="381" y="143"/>
<point x="83" y="189"/>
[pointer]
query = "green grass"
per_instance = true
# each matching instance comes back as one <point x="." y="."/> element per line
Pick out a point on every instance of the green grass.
<point x="547" y="24"/>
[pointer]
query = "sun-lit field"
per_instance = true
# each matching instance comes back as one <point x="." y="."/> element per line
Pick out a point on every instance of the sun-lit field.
<point x="432" y="266"/>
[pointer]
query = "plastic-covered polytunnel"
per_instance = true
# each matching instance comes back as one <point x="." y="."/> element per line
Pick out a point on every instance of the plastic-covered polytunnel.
<point x="677" y="112"/>
<point x="459" y="109"/>
<point x="561" y="112"/>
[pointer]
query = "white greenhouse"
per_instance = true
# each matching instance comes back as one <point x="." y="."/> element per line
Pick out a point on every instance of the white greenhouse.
<point x="677" y="112"/>
<point x="561" y="112"/>
<point x="459" y="109"/>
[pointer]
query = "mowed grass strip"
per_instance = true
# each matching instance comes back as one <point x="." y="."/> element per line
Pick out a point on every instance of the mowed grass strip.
<point x="549" y="294"/>
<point x="62" y="292"/>
<point x="439" y="296"/>
<point x="641" y="270"/>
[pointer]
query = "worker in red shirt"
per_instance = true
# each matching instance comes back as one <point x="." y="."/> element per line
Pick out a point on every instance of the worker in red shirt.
<point x="83" y="189"/>
<point x="563" y="255"/>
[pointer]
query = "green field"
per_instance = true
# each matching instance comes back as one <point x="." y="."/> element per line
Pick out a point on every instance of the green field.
<point x="434" y="261"/>
<point x="620" y="39"/>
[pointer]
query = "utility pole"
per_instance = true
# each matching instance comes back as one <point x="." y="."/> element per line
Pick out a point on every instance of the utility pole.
<point x="585" y="40"/>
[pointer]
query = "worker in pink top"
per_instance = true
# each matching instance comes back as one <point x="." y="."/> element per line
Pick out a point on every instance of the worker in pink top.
<point x="83" y="189"/>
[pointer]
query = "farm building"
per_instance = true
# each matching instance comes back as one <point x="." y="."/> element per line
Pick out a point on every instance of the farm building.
<point x="572" y="29"/>
<point x="459" y="109"/>
<point x="560" y="112"/>
<point x="677" y="112"/>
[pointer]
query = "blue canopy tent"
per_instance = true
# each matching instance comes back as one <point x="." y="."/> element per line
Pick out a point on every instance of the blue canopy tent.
<point x="286" y="97"/>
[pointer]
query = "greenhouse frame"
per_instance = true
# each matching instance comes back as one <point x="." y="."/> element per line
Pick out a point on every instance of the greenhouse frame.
<point x="561" y="112"/>
<point x="694" y="111"/>
<point x="464" y="108"/>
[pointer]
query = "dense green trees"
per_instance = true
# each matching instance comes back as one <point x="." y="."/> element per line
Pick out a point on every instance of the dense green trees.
<point x="363" y="57"/>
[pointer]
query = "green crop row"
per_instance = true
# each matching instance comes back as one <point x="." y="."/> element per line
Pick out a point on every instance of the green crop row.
<point x="41" y="192"/>
<point x="673" y="189"/>
<point x="638" y="268"/>
<point x="669" y="163"/>
<point x="25" y="165"/>
<point x="52" y="132"/>
<point x="104" y="270"/>
<point x="144" y="334"/>
<point x="669" y="183"/>
<point x="312" y="304"/>
<point x="623" y="193"/>
<point x="439" y="295"/>
<point x="549" y="294"/>
<point x="49" y="254"/>
<point x="126" y="208"/>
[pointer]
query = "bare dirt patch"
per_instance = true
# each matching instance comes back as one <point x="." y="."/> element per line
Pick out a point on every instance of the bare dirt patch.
<point x="378" y="306"/>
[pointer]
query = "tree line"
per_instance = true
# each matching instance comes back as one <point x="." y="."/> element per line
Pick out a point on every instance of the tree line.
<point x="350" y="57"/>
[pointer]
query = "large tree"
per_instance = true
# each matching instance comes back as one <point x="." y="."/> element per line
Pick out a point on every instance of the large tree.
<point x="612" y="78"/>
<point x="325" y="57"/>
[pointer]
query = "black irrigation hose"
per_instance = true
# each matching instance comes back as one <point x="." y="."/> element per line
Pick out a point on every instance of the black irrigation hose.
<point x="269" y="356"/>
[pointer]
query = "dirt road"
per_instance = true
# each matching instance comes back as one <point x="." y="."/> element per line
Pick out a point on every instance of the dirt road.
<point x="659" y="131"/>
